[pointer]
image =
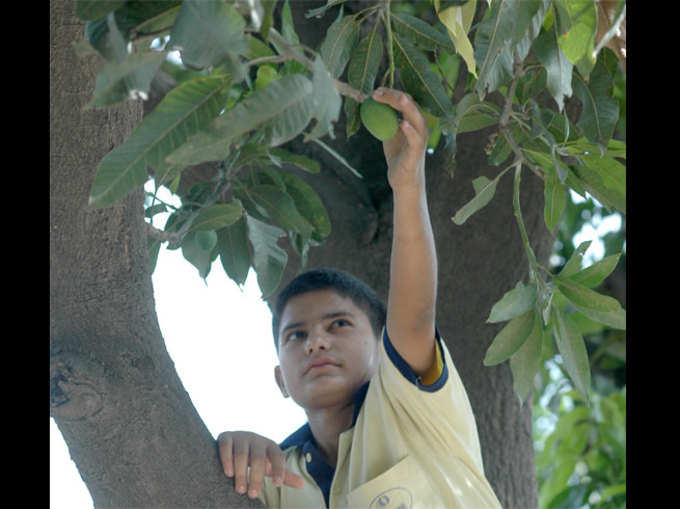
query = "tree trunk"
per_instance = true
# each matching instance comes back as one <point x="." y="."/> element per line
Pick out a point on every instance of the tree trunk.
<point x="129" y="424"/>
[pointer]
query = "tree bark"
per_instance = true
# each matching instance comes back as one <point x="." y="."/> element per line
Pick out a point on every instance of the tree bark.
<point x="129" y="424"/>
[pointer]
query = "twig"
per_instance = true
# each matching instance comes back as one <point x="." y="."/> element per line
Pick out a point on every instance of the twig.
<point x="611" y="32"/>
<point x="163" y="236"/>
<point x="349" y="91"/>
<point x="388" y="33"/>
<point x="533" y="272"/>
<point x="289" y="52"/>
<point x="503" y="123"/>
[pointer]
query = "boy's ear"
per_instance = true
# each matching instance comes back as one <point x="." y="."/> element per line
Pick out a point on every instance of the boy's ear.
<point x="279" y="381"/>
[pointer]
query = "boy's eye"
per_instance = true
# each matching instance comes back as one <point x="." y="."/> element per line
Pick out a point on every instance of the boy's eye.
<point x="340" y="323"/>
<point x="298" y="334"/>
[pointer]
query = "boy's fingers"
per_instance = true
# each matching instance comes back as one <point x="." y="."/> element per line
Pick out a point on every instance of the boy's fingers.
<point x="225" y="444"/>
<point x="256" y="459"/>
<point x="293" y="480"/>
<point x="403" y="102"/>
<point x="277" y="464"/>
<point x="415" y="138"/>
<point x="240" y="455"/>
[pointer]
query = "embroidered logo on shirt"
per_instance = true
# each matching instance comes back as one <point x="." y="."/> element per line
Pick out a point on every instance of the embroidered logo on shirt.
<point x="394" y="498"/>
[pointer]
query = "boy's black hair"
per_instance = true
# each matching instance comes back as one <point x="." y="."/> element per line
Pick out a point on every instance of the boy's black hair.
<point x="344" y="284"/>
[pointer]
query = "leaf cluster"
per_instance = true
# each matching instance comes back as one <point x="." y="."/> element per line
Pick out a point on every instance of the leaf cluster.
<point x="581" y="461"/>
<point x="538" y="71"/>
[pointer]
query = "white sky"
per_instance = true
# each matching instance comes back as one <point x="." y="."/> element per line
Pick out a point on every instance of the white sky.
<point x="218" y="337"/>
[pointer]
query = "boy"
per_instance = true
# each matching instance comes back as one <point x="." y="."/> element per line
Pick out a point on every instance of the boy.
<point x="389" y="423"/>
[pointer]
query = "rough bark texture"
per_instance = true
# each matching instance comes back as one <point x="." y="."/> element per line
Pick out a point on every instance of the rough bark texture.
<point x="129" y="424"/>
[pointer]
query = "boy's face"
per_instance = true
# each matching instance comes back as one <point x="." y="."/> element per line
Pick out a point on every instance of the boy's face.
<point x="327" y="349"/>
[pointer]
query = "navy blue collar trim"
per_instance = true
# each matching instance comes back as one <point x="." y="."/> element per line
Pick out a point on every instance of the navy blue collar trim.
<point x="408" y="372"/>
<point x="321" y="472"/>
<point x="304" y="433"/>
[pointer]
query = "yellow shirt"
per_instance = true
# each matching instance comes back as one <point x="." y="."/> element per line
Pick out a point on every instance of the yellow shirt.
<point x="413" y="445"/>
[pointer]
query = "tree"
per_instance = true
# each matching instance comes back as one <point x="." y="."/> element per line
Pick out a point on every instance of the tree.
<point x="241" y="131"/>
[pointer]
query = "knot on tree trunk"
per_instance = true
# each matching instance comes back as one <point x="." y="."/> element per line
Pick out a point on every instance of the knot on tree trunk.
<point x="73" y="394"/>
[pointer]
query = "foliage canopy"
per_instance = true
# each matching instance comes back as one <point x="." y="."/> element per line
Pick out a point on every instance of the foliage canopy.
<point x="548" y="74"/>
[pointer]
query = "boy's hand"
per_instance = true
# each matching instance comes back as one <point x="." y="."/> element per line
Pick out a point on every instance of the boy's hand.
<point x="240" y="450"/>
<point x="405" y="151"/>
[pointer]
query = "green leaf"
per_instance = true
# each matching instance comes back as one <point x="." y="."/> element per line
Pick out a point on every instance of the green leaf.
<point x="485" y="190"/>
<point x="573" y="264"/>
<point x="336" y="48"/>
<point x="583" y="147"/>
<point x="576" y="21"/>
<point x="558" y="67"/>
<point x="265" y="75"/>
<point x="604" y="178"/>
<point x="283" y="107"/>
<point x="601" y="308"/>
<point x="320" y="11"/>
<point x="302" y="162"/>
<point x="600" y="111"/>
<point x="183" y="111"/>
<point x="420" y="33"/>
<point x="308" y="204"/>
<point x="555" y="198"/>
<point x="197" y="249"/>
<point x="572" y="348"/>
<point x="364" y="62"/>
<point x="471" y="114"/>
<point x="129" y="79"/>
<point x="419" y="80"/>
<point x="510" y="338"/>
<point x="133" y="18"/>
<point x="526" y="361"/>
<point x="208" y="32"/>
<point x="457" y="20"/>
<point x="268" y="7"/>
<point x="361" y="74"/>
<point x="597" y="272"/>
<point x="287" y="25"/>
<point x="217" y="216"/>
<point x="281" y="208"/>
<point x="326" y="101"/>
<point x="516" y="302"/>
<point x="88" y="10"/>
<point x="232" y="243"/>
<point x="584" y="297"/>
<point x="269" y="259"/>
<point x="537" y="12"/>
<point x="505" y="24"/>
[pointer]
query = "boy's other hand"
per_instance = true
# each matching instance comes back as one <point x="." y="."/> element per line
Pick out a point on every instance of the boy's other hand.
<point x="240" y="450"/>
<point x="405" y="151"/>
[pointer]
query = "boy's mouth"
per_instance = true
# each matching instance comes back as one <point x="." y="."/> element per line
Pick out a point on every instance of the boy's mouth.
<point x="319" y="362"/>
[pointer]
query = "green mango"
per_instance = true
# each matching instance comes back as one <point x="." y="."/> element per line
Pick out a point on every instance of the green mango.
<point x="379" y="118"/>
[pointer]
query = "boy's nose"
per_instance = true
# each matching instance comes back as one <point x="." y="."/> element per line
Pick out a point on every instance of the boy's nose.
<point x="317" y="341"/>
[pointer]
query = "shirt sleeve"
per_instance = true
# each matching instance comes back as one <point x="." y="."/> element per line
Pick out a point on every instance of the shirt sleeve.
<point x="436" y="401"/>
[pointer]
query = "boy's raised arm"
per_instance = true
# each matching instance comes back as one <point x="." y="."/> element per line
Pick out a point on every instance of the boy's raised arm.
<point x="413" y="267"/>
